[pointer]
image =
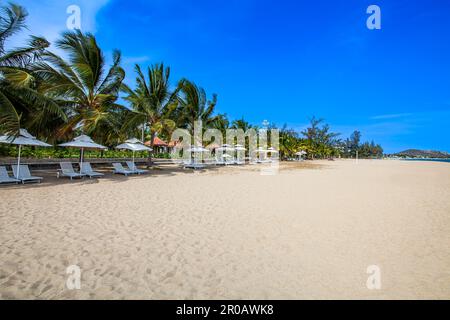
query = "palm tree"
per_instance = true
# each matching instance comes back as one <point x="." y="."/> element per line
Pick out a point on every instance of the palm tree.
<point x="290" y="143"/>
<point x="242" y="124"/>
<point x="195" y="106"/>
<point x="152" y="102"/>
<point x="21" y="103"/>
<point x="221" y="122"/>
<point x="83" y="87"/>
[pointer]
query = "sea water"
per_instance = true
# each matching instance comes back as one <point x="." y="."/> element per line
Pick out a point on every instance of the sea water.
<point x="429" y="159"/>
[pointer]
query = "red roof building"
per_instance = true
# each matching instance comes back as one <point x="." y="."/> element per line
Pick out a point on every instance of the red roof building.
<point x="157" y="142"/>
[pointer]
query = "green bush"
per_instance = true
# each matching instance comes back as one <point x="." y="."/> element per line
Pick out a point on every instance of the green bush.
<point x="62" y="153"/>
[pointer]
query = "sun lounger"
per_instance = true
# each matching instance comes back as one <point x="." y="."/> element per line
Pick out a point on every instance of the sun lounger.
<point x="219" y="162"/>
<point x="24" y="174"/>
<point x="194" y="165"/>
<point x="67" y="171"/>
<point x="209" y="162"/>
<point x="118" y="168"/>
<point x="132" y="166"/>
<point x="5" y="178"/>
<point x="86" y="169"/>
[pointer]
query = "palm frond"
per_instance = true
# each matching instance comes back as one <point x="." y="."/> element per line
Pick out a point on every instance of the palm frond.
<point x="9" y="118"/>
<point x="12" y="20"/>
<point x="23" y="57"/>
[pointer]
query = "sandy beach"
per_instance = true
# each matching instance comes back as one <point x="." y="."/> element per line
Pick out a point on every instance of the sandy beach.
<point x="309" y="232"/>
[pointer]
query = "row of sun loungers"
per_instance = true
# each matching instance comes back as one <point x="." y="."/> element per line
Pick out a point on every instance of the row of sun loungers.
<point x="20" y="176"/>
<point x="132" y="169"/>
<point x="66" y="170"/>
<point x="189" y="164"/>
<point x="85" y="170"/>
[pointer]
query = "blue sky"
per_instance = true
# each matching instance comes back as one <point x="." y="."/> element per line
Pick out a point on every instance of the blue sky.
<point x="286" y="61"/>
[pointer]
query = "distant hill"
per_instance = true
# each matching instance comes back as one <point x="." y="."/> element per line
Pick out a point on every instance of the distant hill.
<point x="414" y="153"/>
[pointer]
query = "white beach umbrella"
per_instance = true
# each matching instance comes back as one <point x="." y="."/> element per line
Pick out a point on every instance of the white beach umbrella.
<point x="260" y="150"/>
<point x="197" y="149"/>
<point x="226" y="147"/>
<point x="133" y="145"/>
<point x="23" y="139"/>
<point x="83" y="142"/>
<point x="238" y="148"/>
<point x="300" y="153"/>
<point x="272" y="150"/>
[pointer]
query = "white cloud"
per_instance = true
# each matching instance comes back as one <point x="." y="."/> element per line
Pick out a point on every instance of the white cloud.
<point x="390" y="116"/>
<point x="134" y="60"/>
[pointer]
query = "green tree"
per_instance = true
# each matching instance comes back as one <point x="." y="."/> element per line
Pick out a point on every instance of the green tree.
<point x="353" y="142"/>
<point x="242" y="124"/>
<point x="290" y="143"/>
<point x="152" y="102"/>
<point x="21" y="103"/>
<point x="221" y="123"/>
<point x="319" y="140"/>
<point x="195" y="106"/>
<point x="84" y="87"/>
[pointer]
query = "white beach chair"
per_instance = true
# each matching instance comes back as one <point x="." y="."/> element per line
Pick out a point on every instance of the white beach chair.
<point x="209" y="162"/>
<point x="25" y="174"/>
<point x="68" y="171"/>
<point x="132" y="166"/>
<point x="86" y="169"/>
<point x="5" y="178"/>
<point x="186" y="162"/>
<point x="219" y="161"/>
<point x="194" y="165"/>
<point x="119" y="169"/>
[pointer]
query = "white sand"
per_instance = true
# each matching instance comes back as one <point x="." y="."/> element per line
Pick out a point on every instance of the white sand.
<point x="232" y="234"/>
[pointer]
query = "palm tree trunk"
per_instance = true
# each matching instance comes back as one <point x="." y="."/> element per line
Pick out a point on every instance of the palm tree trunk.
<point x="149" y="161"/>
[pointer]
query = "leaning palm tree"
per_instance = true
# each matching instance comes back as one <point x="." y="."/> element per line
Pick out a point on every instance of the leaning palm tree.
<point x="21" y="103"/>
<point x="195" y="106"/>
<point x="82" y="85"/>
<point x="152" y="102"/>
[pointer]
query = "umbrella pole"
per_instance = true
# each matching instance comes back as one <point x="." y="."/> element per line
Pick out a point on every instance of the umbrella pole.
<point x="81" y="159"/>
<point x="18" y="162"/>
<point x="133" y="156"/>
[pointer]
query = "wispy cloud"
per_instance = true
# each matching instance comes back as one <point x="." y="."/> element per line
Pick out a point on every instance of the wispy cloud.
<point x="391" y="116"/>
<point x="134" y="60"/>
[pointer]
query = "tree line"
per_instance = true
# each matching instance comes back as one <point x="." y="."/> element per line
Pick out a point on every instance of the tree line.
<point x="319" y="142"/>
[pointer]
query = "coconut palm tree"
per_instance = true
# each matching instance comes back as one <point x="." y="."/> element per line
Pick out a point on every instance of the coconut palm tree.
<point x="21" y="103"/>
<point x="220" y="122"/>
<point x="195" y="106"/>
<point x="242" y="124"/>
<point x="152" y="102"/>
<point x="84" y="87"/>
